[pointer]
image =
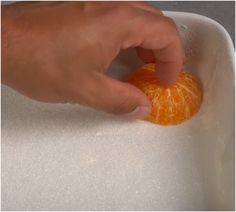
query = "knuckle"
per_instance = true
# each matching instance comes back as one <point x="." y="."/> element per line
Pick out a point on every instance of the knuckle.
<point x="170" y="22"/>
<point x="172" y="26"/>
<point x="123" y="105"/>
<point x="124" y="10"/>
<point x="120" y="108"/>
<point x="171" y="29"/>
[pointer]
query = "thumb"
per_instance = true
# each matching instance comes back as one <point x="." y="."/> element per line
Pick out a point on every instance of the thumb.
<point x="118" y="97"/>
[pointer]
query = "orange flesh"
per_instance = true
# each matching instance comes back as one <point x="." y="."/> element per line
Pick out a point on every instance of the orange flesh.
<point x="170" y="104"/>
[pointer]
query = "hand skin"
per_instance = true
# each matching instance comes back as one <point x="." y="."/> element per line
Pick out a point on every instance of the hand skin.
<point x="59" y="52"/>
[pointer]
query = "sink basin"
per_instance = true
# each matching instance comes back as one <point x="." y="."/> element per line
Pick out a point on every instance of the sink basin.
<point x="68" y="157"/>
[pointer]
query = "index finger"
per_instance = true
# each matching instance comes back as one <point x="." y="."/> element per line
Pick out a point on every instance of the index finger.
<point x="167" y="49"/>
<point x="160" y="35"/>
<point x="169" y="62"/>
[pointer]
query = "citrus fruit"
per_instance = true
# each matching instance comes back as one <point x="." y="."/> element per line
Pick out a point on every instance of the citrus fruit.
<point x="170" y="104"/>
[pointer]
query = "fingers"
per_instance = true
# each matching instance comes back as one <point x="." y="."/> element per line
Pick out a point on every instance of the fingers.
<point x="165" y="72"/>
<point x="145" y="55"/>
<point x="160" y="41"/>
<point x="169" y="62"/>
<point x="109" y="95"/>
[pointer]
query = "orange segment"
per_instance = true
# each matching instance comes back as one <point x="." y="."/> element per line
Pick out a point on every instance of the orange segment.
<point x="170" y="104"/>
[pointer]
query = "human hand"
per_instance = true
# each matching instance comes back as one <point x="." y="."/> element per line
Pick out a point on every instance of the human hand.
<point x="59" y="52"/>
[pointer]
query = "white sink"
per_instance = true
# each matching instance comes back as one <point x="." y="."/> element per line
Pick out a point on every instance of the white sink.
<point x="64" y="157"/>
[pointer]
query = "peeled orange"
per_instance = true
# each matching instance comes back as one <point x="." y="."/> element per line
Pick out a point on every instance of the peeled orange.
<point x="170" y="104"/>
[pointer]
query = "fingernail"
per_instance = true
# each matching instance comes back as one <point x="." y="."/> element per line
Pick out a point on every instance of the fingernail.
<point x="140" y="112"/>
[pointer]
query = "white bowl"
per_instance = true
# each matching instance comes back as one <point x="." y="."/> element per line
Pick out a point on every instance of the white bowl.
<point x="64" y="157"/>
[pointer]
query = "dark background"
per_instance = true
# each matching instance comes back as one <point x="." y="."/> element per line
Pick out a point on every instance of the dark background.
<point x="221" y="11"/>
